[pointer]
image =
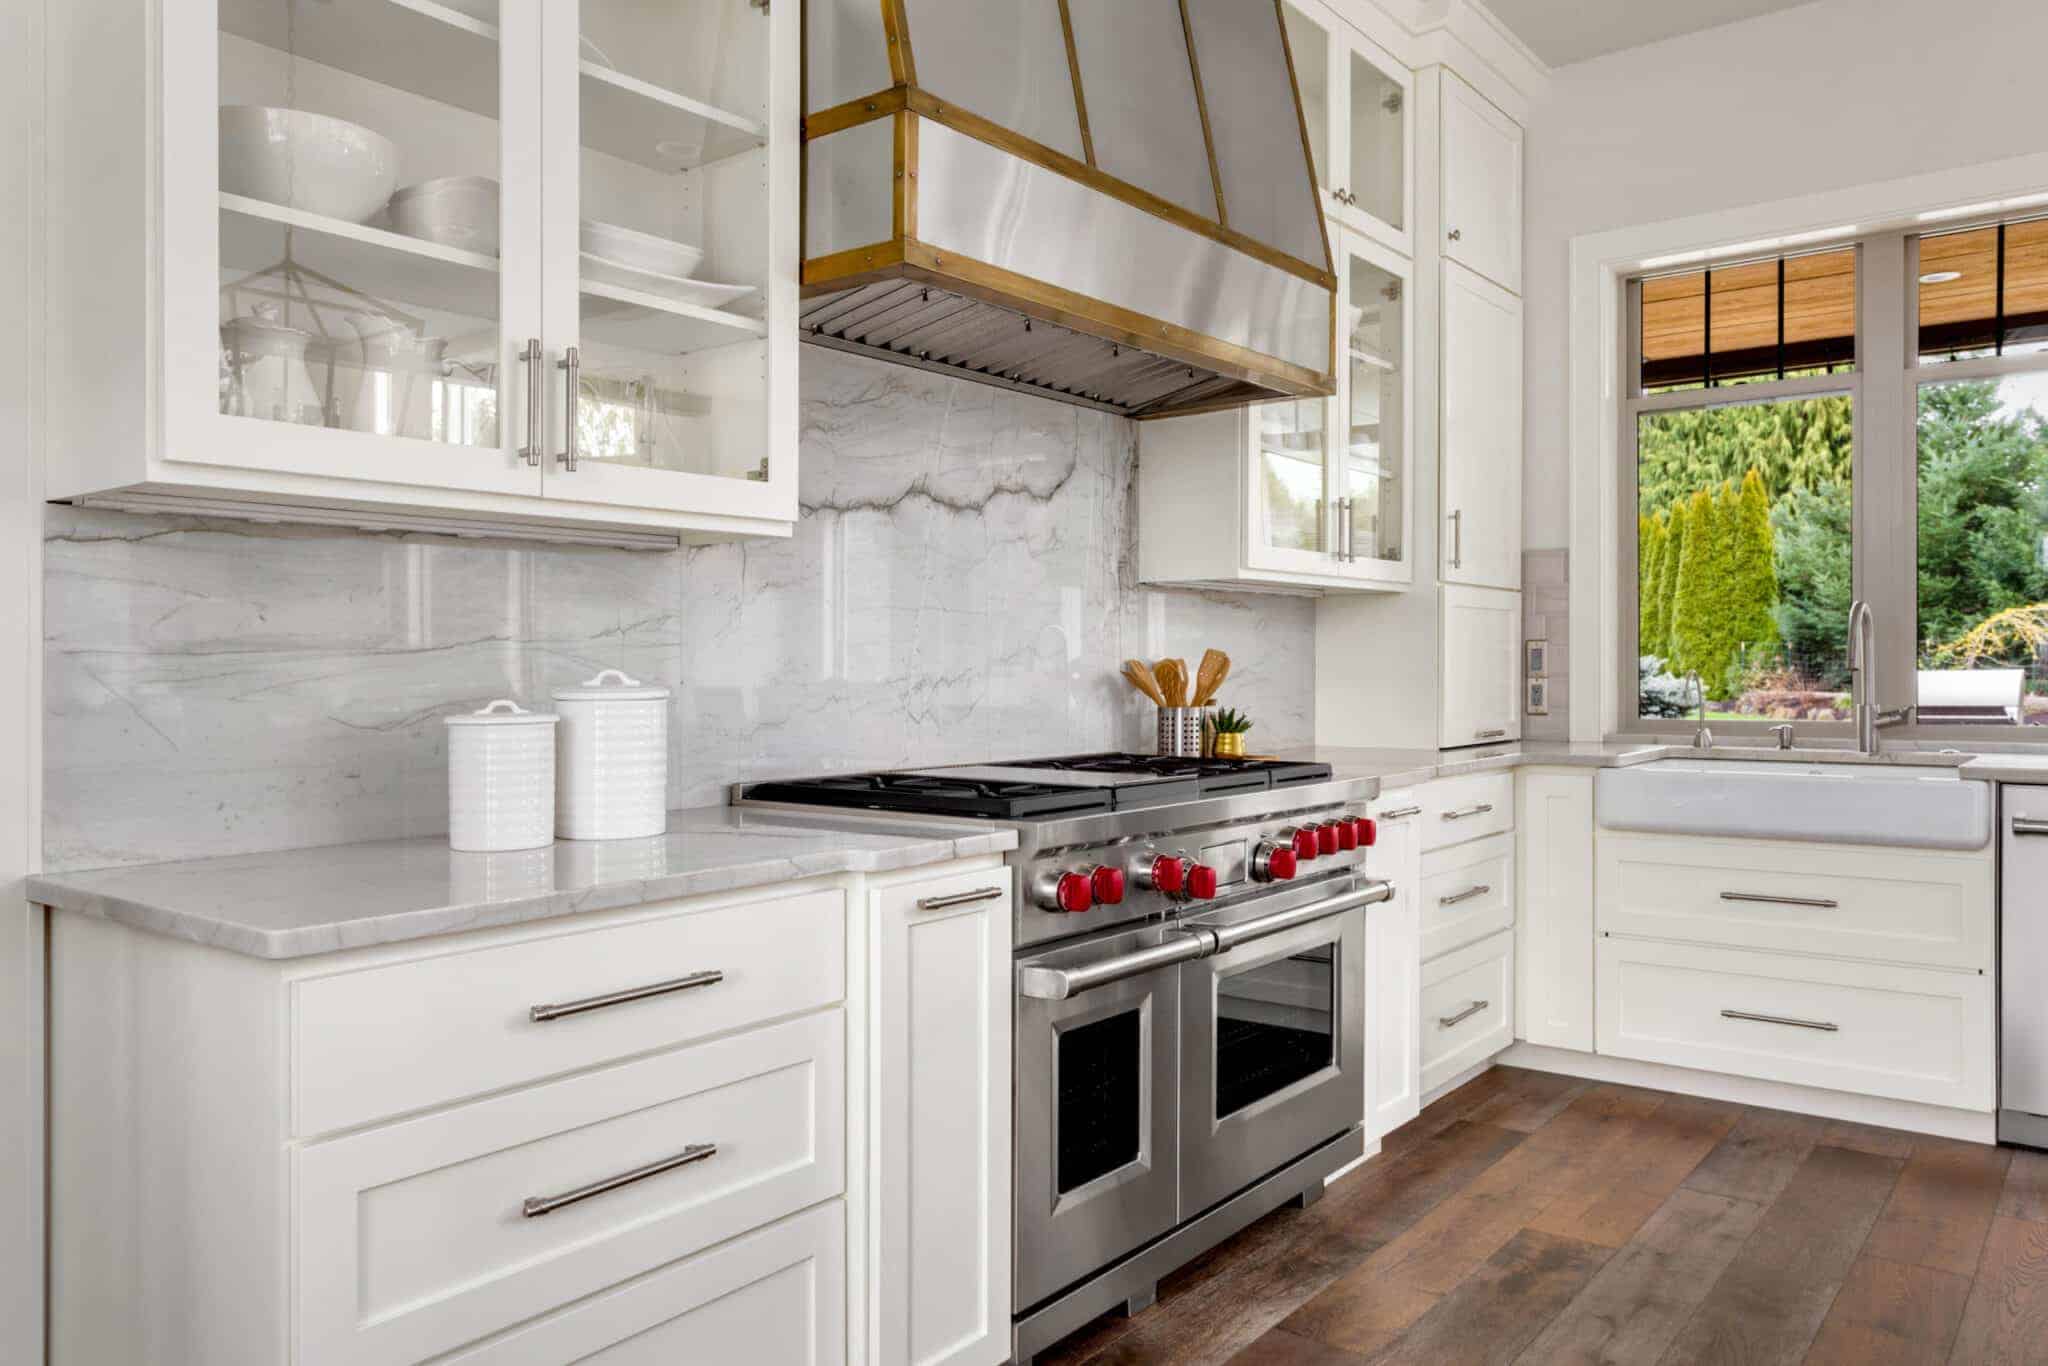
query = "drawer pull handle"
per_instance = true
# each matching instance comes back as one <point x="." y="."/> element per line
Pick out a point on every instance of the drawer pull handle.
<point x="1822" y="902"/>
<point x="947" y="903"/>
<point x="1479" y="810"/>
<point x="537" y="1205"/>
<point x="2023" y="825"/>
<point x="1476" y="889"/>
<point x="1488" y="734"/>
<point x="1446" y="1021"/>
<point x="1822" y="1025"/>
<point x="541" y="1014"/>
<point x="1400" y="813"/>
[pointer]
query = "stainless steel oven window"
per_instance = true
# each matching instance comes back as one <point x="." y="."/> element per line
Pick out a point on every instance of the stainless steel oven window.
<point x="1276" y="1024"/>
<point x="1099" y="1095"/>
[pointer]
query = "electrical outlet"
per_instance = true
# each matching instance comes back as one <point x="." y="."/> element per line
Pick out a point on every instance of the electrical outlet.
<point x="1539" y="697"/>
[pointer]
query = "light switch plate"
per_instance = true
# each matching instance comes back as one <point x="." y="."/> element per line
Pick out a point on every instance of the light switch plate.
<point x="1538" y="661"/>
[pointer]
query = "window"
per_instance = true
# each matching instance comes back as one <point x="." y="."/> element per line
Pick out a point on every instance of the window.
<point x="1741" y="443"/>
<point x="1981" y="473"/>
<point x="1766" y="500"/>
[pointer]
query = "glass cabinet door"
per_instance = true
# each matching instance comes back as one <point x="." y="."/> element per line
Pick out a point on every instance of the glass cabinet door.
<point x="1373" y="398"/>
<point x="369" y="274"/>
<point x="1355" y="99"/>
<point x="672" y="258"/>
<point x="1290" y="469"/>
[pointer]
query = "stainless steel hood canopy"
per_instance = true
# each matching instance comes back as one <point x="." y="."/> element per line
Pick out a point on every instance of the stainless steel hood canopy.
<point x="1108" y="202"/>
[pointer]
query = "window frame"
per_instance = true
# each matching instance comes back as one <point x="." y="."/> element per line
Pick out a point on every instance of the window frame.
<point x="1884" y="390"/>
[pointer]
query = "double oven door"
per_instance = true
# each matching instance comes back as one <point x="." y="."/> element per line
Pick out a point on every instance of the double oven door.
<point x="1160" y="1070"/>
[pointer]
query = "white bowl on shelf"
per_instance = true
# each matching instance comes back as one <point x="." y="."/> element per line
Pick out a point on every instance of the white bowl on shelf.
<point x="453" y="210"/>
<point x="640" y="250"/>
<point x="306" y="161"/>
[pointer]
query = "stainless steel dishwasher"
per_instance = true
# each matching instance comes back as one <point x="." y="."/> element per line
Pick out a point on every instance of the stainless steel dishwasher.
<point x="2023" y="967"/>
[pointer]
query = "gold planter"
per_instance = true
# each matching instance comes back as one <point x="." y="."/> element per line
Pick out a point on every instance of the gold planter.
<point x="1230" y="744"/>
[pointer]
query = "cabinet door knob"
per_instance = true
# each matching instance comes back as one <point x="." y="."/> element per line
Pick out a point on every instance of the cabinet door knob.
<point x="1457" y="235"/>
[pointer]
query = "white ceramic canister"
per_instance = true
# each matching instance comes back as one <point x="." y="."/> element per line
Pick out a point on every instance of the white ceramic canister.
<point x="501" y="779"/>
<point x="612" y="750"/>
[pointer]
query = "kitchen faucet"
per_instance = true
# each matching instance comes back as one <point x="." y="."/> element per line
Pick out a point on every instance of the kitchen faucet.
<point x="1862" y="644"/>
<point x="1702" y="738"/>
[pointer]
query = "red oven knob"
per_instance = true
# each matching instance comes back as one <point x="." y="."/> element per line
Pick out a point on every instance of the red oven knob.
<point x="1347" y="834"/>
<point x="1107" y="886"/>
<point x="1272" y="862"/>
<point x="1367" y="830"/>
<point x="1201" y="882"/>
<point x="1073" y="894"/>
<point x="1166" y="874"/>
<point x="1327" y="842"/>
<point x="1304" y="845"/>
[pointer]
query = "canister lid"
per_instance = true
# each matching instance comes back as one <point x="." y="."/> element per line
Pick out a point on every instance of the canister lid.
<point x="610" y="686"/>
<point x="504" y="712"/>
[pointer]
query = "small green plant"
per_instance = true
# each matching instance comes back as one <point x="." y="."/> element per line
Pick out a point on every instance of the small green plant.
<point x="1230" y="721"/>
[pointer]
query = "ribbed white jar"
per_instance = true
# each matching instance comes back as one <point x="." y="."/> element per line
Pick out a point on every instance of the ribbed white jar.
<point x="501" y="779"/>
<point x="611" y="759"/>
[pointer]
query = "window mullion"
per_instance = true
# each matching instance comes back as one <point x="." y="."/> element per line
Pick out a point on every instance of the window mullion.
<point x="1886" y="543"/>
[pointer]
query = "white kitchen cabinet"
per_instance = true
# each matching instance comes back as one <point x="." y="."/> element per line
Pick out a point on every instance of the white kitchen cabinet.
<point x="1393" y="969"/>
<point x="1554" y="929"/>
<point x="1481" y="532"/>
<point x="1482" y="185"/>
<point x="939" y="1135"/>
<point x="1314" y="493"/>
<point x="228" y="334"/>
<point x="1482" y="666"/>
<point x="1357" y="102"/>
<point x="1468" y="1008"/>
<point x="1468" y="892"/>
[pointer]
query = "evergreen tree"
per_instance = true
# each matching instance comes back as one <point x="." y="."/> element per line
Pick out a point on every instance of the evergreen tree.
<point x="1701" y="638"/>
<point x="1652" y="540"/>
<point x="1812" y="528"/>
<point x="1983" y="508"/>
<point x="1667" y="581"/>
<point x="1753" y="587"/>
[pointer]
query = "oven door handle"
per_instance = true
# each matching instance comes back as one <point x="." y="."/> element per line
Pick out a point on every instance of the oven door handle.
<point x="1058" y="984"/>
<point x="1230" y="936"/>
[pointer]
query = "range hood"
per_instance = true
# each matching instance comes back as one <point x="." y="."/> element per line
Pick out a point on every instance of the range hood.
<point x="1108" y="202"/>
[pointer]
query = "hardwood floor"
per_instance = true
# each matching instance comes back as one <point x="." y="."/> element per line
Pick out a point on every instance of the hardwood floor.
<point x="1535" y="1218"/>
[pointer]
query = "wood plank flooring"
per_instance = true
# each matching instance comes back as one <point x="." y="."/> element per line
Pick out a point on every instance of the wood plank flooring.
<point x="1531" y="1218"/>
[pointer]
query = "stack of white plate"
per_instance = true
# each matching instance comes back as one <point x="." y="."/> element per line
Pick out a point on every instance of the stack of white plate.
<point x="653" y="265"/>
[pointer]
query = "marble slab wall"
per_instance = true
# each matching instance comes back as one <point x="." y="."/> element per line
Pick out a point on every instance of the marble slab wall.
<point x="961" y="587"/>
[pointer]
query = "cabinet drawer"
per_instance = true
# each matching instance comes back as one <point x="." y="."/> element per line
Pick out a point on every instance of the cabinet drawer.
<point x="415" y="1238"/>
<point x="1468" y="1008"/>
<point x="773" y="1298"/>
<point x="1468" y="892"/>
<point x="1906" y="1033"/>
<point x="1455" y="810"/>
<point x="388" y="1040"/>
<point x="1921" y="909"/>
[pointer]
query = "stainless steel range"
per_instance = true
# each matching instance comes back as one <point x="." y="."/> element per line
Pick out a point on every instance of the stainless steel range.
<point x="1190" y="983"/>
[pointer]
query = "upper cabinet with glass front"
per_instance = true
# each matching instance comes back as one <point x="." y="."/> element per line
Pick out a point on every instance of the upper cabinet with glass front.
<point x="1356" y="100"/>
<point x="517" y="265"/>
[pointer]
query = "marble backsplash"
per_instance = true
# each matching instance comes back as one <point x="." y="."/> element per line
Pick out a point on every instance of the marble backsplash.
<point x="960" y="588"/>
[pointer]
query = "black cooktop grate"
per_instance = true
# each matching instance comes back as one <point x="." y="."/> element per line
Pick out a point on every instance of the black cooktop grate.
<point x="1154" y="779"/>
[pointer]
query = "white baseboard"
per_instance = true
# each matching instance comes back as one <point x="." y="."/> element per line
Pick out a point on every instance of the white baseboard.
<point x="1967" y="1125"/>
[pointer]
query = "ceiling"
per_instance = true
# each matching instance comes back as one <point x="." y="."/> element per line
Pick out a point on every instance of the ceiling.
<point x="1566" y="31"/>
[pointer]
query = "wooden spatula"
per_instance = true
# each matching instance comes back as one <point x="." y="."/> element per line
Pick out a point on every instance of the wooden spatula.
<point x="1215" y="668"/>
<point x="1173" y="682"/>
<point x="1143" y="679"/>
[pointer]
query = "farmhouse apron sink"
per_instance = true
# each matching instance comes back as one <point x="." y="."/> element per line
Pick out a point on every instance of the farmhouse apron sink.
<point x="1918" y="806"/>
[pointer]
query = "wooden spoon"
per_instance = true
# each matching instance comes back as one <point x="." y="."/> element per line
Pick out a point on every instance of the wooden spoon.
<point x="1215" y="668"/>
<point x="1144" y="681"/>
<point x="1173" y="681"/>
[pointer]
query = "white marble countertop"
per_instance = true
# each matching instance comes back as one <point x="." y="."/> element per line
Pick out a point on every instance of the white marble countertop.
<point x="1402" y="767"/>
<point x="309" y="901"/>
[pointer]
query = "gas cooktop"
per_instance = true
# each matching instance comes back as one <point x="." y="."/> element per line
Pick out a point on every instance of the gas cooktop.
<point x="1028" y="789"/>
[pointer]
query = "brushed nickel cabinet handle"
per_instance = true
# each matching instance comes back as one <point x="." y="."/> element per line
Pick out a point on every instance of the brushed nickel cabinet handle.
<point x="536" y="1205"/>
<point x="1481" y="809"/>
<point x="1822" y="1025"/>
<point x="946" y="903"/>
<point x="1446" y="1021"/>
<point x="532" y="355"/>
<point x="1476" y="889"/>
<point x="1458" y="539"/>
<point x="2024" y="825"/>
<point x="1488" y="734"/>
<point x="542" y="1014"/>
<point x="1400" y="813"/>
<point x="570" y="364"/>
<point x="1821" y="902"/>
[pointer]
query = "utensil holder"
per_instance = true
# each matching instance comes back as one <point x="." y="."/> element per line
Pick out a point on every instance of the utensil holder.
<point x="1183" y="731"/>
